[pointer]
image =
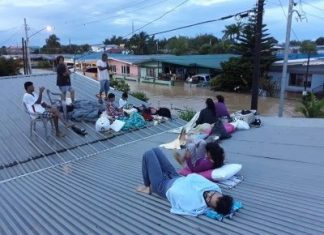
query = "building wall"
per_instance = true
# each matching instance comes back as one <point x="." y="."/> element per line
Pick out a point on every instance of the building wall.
<point x="317" y="80"/>
<point x="133" y="69"/>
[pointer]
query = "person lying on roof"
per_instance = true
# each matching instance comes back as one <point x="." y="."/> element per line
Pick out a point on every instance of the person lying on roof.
<point x="35" y="106"/>
<point x="188" y="195"/>
<point x="200" y="156"/>
<point x="111" y="109"/>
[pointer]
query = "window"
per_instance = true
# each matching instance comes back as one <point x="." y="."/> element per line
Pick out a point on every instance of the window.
<point x="150" y="72"/>
<point x="296" y="79"/>
<point x="113" y="68"/>
<point x="125" y="69"/>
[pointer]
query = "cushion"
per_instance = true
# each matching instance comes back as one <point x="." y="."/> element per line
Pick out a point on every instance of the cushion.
<point x="223" y="173"/>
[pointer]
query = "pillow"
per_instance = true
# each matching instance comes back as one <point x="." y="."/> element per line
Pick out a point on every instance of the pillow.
<point x="229" y="128"/>
<point x="223" y="173"/>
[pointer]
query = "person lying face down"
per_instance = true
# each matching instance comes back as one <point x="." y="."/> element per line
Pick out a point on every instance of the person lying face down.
<point x="188" y="195"/>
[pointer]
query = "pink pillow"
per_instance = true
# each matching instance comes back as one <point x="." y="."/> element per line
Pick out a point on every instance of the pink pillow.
<point x="229" y="128"/>
<point x="207" y="174"/>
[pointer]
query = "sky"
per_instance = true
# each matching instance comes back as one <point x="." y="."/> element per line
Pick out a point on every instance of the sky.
<point x="81" y="22"/>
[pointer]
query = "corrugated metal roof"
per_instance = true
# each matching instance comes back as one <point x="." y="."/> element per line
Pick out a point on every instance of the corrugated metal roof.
<point x="282" y="192"/>
<point x="20" y="154"/>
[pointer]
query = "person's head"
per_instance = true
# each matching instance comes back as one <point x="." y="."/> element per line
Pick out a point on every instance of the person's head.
<point x="111" y="97"/>
<point x="104" y="57"/>
<point x="222" y="204"/>
<point x="220" y="98"/>
<point x="210" y="105"/>
<point x="29" y="87"/>
<point x="125" y="96"/>
<point x="60" y="59"/>
<point x="215" y="153"/>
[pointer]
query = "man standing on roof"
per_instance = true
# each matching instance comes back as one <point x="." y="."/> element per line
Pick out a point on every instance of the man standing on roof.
<point x="103" y="76"/>
<point x="63" y="78"/>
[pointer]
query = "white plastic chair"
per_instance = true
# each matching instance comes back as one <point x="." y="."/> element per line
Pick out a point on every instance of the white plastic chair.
<point x="37" y="117"/>
<point x="56" y="99"/>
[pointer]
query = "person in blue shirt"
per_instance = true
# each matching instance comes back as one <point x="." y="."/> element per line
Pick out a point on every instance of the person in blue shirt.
<point x="188" y="195"/>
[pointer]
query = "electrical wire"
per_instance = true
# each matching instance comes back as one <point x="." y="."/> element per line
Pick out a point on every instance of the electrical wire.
<point x="283" y="10"/>
<point x="160" y="17"/>
<point x="313" y="6"/>
<point x="242" y="14"/>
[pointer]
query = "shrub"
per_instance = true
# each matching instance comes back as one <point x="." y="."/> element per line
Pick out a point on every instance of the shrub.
<point x="119" y="85"/>
<point x="140" y="95"/>
<point x="311" y="106"/>
<point x="187" y="114"/>
<point x="44" y="64"/>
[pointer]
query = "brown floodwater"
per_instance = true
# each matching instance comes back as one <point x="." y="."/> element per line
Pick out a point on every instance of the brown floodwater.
<point x="183" y="95"/>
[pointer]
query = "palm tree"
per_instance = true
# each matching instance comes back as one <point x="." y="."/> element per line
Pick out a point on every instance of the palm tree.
<point x="307" y="47"/>
<point x="232" y="31"/>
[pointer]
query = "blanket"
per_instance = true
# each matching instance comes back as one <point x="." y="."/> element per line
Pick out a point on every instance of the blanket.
<point x="86" y="110"/>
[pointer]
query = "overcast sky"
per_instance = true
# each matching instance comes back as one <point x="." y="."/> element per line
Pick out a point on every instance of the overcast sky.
<point x="91" y="22"/>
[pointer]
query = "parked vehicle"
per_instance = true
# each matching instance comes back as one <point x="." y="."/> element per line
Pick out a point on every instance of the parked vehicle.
<point x="199" y="79"/>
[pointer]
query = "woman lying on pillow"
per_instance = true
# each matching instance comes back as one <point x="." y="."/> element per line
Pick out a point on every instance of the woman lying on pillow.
<point x="191" y="195"/>
<point x="200" y="156"/>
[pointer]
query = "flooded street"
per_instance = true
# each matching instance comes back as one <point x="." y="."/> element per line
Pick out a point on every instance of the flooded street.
<point x="184" y="95"/>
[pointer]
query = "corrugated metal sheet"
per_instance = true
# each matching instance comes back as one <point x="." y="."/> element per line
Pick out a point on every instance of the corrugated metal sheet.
<point x="282" y="192"/>
<point x="20" y="154"/>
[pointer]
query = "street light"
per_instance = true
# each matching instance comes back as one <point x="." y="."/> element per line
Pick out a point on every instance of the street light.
<point x="47" y="28"/>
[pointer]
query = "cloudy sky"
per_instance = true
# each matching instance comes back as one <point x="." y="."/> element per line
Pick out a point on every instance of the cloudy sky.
<point x="80" y="21"/>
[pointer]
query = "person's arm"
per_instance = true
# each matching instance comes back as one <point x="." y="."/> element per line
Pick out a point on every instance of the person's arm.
<point x="40" y="96"/>
<point x="102" y="67"/>
<point x="66" y="71"/>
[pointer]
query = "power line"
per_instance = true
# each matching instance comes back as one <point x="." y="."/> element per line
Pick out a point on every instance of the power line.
<point x="240" y="14"/>
<point x="11" y="36"/>
<point x="313" y="6"/>
<point x="160" y="17"/>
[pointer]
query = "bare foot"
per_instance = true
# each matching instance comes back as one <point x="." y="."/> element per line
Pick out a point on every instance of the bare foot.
<point x="143" y="189"/>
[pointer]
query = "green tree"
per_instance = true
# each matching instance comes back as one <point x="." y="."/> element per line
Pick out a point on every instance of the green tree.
<point x="294" y="43"/>
<point x="52" y="45"/>
<point x="195" y="44"/>
<point x="141" y="44"/>
<point x="233" y="31"/>
<point x="319" y="41"/>
<point x="178" y="45"/>
<point x="115" y="40"/>
<point x="240" y="70"/>
<point x="311" y="106"/>
<point x="9" y="67"/>
<point x="309" y="48"/>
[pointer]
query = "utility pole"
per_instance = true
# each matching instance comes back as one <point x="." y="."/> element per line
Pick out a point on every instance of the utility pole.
<point x="257" y="56"/>
<point x="29" y="69"/>
<point x="284" y="67"/>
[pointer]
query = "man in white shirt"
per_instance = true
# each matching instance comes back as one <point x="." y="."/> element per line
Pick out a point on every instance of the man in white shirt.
<point x="103" y="76"/>
<point x="36" y="107"/>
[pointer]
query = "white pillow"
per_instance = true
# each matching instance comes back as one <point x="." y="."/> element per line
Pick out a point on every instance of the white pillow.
<point x="225" y="172"/>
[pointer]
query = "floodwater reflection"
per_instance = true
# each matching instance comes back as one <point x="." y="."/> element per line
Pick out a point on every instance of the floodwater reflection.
<point x="183" y="95"/>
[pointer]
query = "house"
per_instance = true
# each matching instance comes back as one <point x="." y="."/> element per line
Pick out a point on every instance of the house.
<point x="159" y="68"/>
<point x="296" y="74"/>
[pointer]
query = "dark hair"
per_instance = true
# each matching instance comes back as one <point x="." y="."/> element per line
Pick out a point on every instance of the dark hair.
<point x="104" y="55"/>
<point x="111" y="95"/>
<point x="217" y="154"/>
<point x="220" y="98"/>
<point x="58" y="59"/>
<point x="224" y="205"/>
<point x="27" y="84"/>
<point x="210" y="105"/>
<point x="125" y="95"/>
<point x="164" y="112"/>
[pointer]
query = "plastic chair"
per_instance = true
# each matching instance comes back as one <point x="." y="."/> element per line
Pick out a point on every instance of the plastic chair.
<point x="37" y="117"/>
<point x="56" y="99"/>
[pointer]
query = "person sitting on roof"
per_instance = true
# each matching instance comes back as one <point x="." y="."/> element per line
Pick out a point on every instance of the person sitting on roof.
<point x="123" y="100"/>
<point x="208" y="114"/>
<point x="220" y="108"/>
<point x="111" y="109"/>
<point x="188" y="195"/>
<point x="200" y="156"/>
<point x="34" y="105"/>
